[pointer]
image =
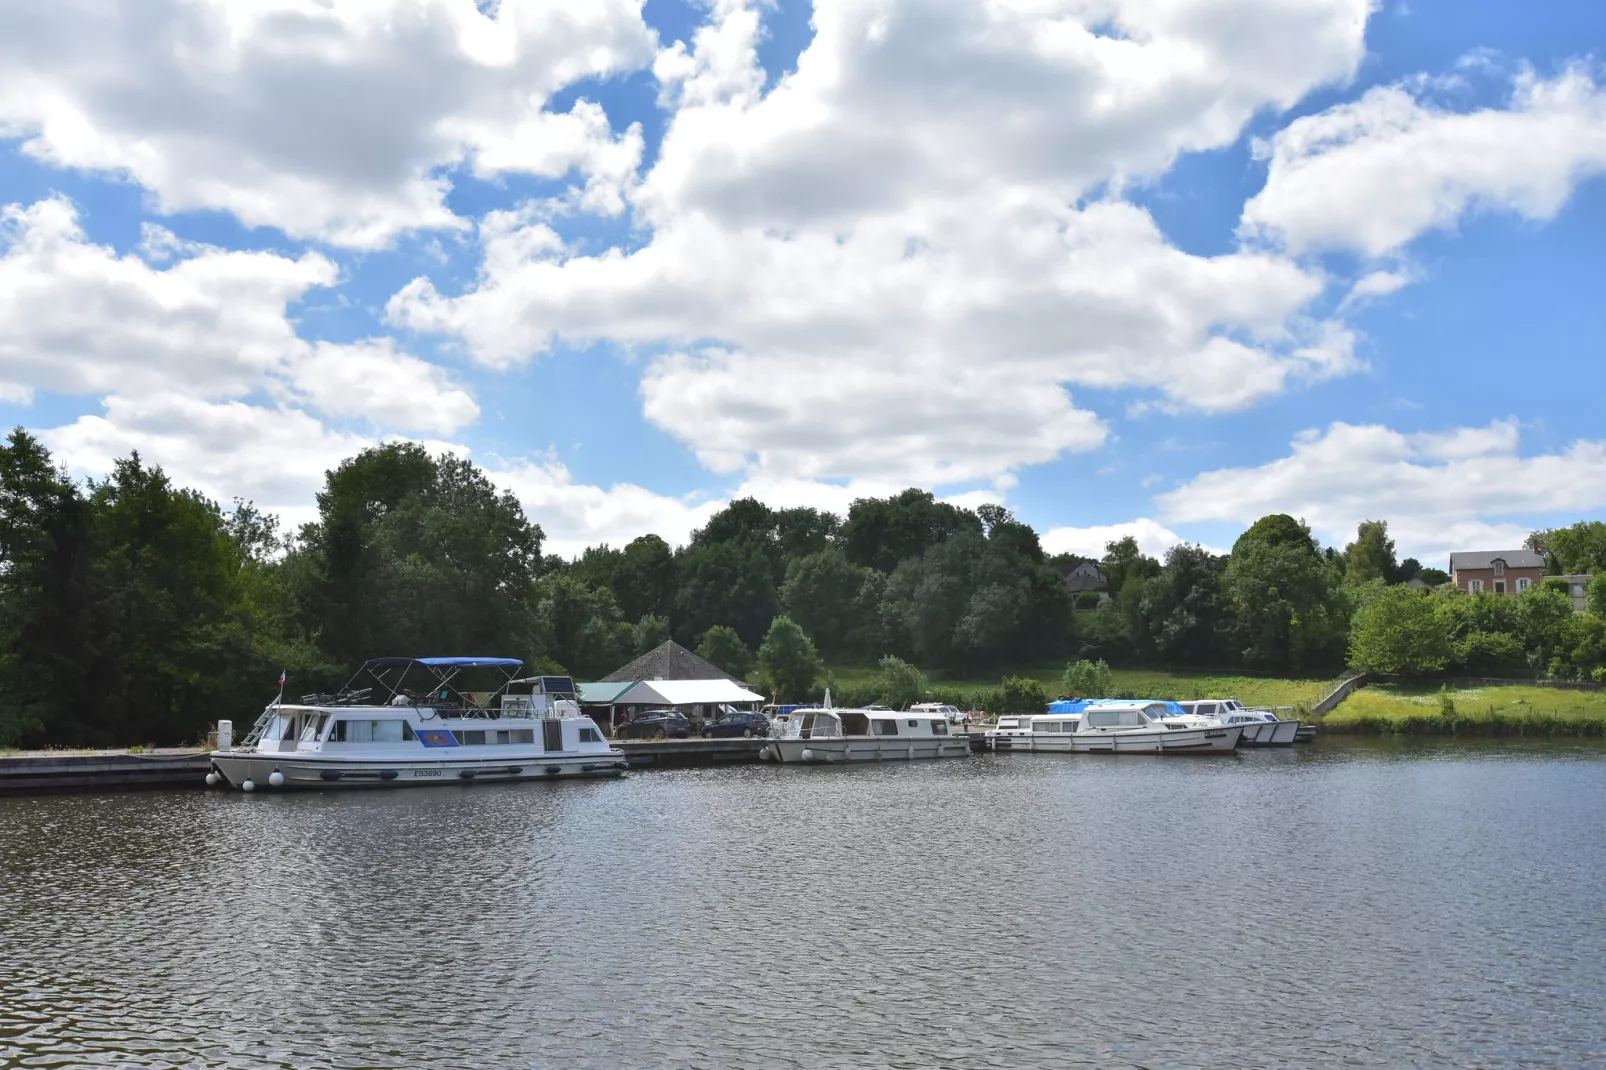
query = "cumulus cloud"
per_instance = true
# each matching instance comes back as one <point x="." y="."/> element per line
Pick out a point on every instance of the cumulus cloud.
<point x="77" y="318"/>
<point x="331" y="121"/>
<point x="1373" y="174"/>
<point x="1439" y="491"/>
<point x="274" y="457"/>
<point x="576" y="515"/>
<point x="884" y="266"/>
<point x="1153" y="538"/>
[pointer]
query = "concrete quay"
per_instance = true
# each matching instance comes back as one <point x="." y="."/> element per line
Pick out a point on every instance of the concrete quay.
<point x="38" y="772"/>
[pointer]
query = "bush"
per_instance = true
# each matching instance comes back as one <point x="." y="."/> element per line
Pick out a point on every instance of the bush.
<point x="899" y="684"/>
<point x="1088" y="679"/>
<point x="1017" y="694"/>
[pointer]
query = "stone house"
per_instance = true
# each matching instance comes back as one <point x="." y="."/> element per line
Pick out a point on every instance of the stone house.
<point x="1086" y="577"/>
<point x="1507" y="572"/>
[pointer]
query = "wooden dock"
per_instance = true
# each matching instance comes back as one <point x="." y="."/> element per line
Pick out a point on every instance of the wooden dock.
<point x="38" y="772"/>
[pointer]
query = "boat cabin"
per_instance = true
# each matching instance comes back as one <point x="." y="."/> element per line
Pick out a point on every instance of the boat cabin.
<point x="818" y="723"/>
<point x="1123" y="717"/>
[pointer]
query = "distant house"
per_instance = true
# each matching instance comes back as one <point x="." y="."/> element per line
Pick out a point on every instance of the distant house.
<point x="1577" y="589"/>
<point x="1496" y="571"/>
<point x="1086" y="577"/>
<point x="667" y="675"/>
<point x="669" y="661"/>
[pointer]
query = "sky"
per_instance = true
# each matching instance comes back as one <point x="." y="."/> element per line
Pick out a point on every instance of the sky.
<point x="1149" y="267"/>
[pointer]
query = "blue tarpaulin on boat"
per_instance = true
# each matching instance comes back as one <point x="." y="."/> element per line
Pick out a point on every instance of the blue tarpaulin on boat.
<point x="446" y="663"/>
<point x="1077" y="705"/>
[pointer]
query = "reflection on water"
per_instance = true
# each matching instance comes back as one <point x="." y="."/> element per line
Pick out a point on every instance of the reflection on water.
<point x="1380" y="903"/>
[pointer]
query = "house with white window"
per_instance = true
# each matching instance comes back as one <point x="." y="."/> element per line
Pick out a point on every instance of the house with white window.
<point x="1496" y="571"/>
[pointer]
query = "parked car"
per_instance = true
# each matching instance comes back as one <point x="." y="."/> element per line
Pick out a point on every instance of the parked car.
<point x="655" y="724"/>
<point x="738" y="724"/>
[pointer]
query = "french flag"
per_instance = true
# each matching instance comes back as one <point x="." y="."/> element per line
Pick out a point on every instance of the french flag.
<point x="281" y="678"/>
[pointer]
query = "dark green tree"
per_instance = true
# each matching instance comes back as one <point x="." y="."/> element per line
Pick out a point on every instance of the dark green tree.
<point x="1397" y="630"/>
<point x="1182" y="608"/>
<point x="789" y="661"/>
<point x="822" y="594"/>
<point x="1371" y="556"/>
<point x="723" y="647"/>
<point x="1288" y="610"/>
<point x="880" y="533"/>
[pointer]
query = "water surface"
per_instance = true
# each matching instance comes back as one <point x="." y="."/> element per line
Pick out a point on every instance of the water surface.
<point x="1351" y="904"/>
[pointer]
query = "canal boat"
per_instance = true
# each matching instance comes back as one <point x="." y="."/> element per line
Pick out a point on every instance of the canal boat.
<point x="823" y="734"/>
<point x="1261" y="727"/>
<point x="1049" y="731"/>
<point x="1150" y="728"/>
<point x="407" y="722"/>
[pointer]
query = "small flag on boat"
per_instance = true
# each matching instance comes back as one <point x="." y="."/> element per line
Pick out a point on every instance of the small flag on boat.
<point x="281" y="676"/>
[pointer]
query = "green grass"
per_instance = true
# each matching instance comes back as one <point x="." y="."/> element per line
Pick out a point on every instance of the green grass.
<point x="1146" y="683"/>
<point x="1390" y="708"/>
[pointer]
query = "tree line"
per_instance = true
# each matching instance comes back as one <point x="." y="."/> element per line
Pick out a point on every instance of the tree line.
<point x="133" y="611"/>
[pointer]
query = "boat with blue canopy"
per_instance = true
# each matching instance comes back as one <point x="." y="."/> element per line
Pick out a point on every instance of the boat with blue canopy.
<point x="406" y="722"/>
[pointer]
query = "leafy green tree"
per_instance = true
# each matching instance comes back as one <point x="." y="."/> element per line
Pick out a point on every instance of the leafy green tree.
<point x="1182" y="608"/>
<point x="1371" y="556"/>
<point x="1595" y="596"/>
<point x="1124" y="561"/>
<point x="1288" y="610"/>
<point x="651" y="633"/>
<point x="1544" y="614"/>
<point x="789" y="660"/>
<point x="723" y="647"/>
<point x="413" y="554"/>
<point x="881" y="533"/>
<point x="1576" y="549"/>
<point x="899" y="684"/>
<point x="579" y="627"/>
<point x="726" y="582"/>
<point x="1397" y="630"/>
<point x="1433" y="577"/>
<point x="822" y="593"/>
<point x="1088" y="679"/>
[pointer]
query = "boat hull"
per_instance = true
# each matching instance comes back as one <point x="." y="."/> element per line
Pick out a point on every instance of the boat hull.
<point x="845" y="749"/>
<point x="1047" y="743"/>
<point x="312" y="771"/>
<point x="1222" y="740"/>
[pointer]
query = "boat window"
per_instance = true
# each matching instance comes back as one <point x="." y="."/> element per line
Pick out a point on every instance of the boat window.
<point x="313" y="727"/>
<point x="913" y="723"/>
<point x="471" y="738"/>
<point x="855" y="724"/>
<point x="939" y="728"/>
<point x="1106" y="718"/>
<point x="522" y="735"/>
<point x="1132" y="718"/>
<point x="589" y="735"/>
<point x="1206" y="709"/>
<point x="884" y="727"/>
<point x="1025" y="724"/>
<point x="1007" y="722"/>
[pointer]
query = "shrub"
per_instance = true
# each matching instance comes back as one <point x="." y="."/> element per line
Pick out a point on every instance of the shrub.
<point x="1017" y="694"/>
<point x="1088" y="679"/>
<point x="899" y="684"/>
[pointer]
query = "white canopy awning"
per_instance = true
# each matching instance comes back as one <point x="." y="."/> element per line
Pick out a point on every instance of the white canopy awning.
<point x="686" y="693"/>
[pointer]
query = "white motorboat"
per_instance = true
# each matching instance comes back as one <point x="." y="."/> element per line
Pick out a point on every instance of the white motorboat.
<point x="1037" y="732"/>
<point x="1149" y="728"/>
<point x="954" y="714"/>
<point x="1261" y="727"/>
<point x="823" y="734"/>
<point x="386" y="734"/>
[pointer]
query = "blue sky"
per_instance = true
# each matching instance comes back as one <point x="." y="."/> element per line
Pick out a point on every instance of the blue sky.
<point x="1157" y="269"/>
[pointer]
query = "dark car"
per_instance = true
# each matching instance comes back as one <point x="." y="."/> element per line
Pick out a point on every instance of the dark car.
<point x="655" y="724"/>
<point x="738" y="724"/>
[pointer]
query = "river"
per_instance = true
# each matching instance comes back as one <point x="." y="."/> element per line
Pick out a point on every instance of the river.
<point x="1351" y="903"/>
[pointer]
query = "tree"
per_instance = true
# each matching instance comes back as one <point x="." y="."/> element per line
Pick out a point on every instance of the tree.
<point x="1016" y="694"/>
<point x="881" y="533"/>
<point x="1595" y="596"/>
<point x="822" y="593"/>
<point x="1278" y="529"/>
<point x="1124" y="561"/>
<point x="726" y="582"/>
<point x="1088" y="679"/>
<point x="1397" y="630"/>
<point x="1577" y="549"/>
<point x="789" y="660"/>
<point x="1371" y="556"/>
<point x="1433" y="577"/>
<point x="579" y="627"/>
<point x="723" y="647"/>
<point x="651" y="633"/>
<point x="899" y="684"/>
<point x="1181" y="607"/>
<point x="1288" y="611"/>
<point x="413" y="554"/>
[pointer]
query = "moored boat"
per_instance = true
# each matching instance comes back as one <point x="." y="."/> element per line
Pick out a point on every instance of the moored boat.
<point x="1049" y="731"/>
<point x="1261" y="728"/>
<point x="828" y="735"/>
<point x="378" y="730"/>
<point x="1150" y="728"/>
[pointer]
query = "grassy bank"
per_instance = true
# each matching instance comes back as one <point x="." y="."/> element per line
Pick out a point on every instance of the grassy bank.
<point x="1146" y="683"/>
<point x="1391" y="708"/>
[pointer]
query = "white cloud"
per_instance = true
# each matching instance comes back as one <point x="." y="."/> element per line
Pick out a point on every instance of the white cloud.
<point x="274" y="457"/>
<point x="1375" y="173"/>
<point x="883" y="267"/>
<point x="1439" y="491"/>
<point x="576" y="515"/>
<point x="1153" y="538"/>
<point x="325" y="120"/>
<point x="77" y="318"/>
